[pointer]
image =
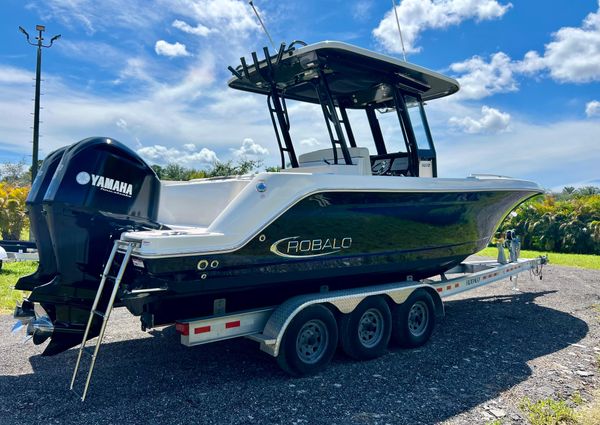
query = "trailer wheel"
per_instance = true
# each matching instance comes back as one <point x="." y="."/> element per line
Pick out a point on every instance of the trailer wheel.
<point x="309" y="341"/>
<point x="365" y="332"/>
<point x="413" y="320"/>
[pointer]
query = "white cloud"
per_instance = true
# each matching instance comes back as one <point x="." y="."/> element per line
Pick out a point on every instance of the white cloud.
<point x="491" y="121"/>
<point x="165" y="48"/>
<point x="92" y="14"/>
<point x="199" y="29"/>
<point x="361" y="10"/>
<point x="311" y="142"/>
<point x="574" y="53"/>
<point x="159" y="154"/>
<point x="572" y="56"/>
<point x="251" y="148"/>
<point x="480" y="79"/>
<point x="231" y="18"/>
<point x="416" y="16"/>
<point x="592" y="109"/>
<point x="529" y="151"/>
<point x="135" y="68"/>
<point x="122" y="124"/>
<point x="10" y="75"/>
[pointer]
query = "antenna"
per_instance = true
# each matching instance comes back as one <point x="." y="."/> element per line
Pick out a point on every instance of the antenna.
<point x="399" y="30"/>
<point x="251" y="3"/>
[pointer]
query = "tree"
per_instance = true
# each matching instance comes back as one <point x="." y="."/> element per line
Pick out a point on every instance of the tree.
<point x="158" y="170"/>
<point x="587" y="191"/>
<point x="15" y="174"/>
<point x="177" y="172"/>
<point x="243" y="166"/>
<point x="561" y="225"/>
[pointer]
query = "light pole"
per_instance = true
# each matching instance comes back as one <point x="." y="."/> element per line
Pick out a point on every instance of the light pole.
<point x="36" y="111"/>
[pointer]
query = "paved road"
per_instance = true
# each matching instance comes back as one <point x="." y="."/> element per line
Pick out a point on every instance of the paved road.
<point x="494" y="347"/>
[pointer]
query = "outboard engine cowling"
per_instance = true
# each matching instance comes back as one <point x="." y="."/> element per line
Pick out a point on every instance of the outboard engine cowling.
<point x="100" y="189"/>
<point x="47" y="263"/>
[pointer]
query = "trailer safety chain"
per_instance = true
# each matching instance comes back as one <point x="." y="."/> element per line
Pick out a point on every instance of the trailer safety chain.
<point x="537" y="271"/>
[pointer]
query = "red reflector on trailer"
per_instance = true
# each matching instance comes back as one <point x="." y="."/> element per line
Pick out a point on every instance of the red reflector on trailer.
<point x="235" y="324"/>
<point x="183" y="328"/>
<point x="202" y="329"/>
<point x="448" y="287"/>
<point x="440" y="289"/>
<point x="456" y="285"/>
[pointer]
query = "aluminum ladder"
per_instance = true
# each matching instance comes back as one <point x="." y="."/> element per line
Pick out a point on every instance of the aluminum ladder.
<point x="128" y="246"/>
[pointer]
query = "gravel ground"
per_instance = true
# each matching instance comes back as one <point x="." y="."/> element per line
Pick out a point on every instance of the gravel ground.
<point x="494" y="347"/>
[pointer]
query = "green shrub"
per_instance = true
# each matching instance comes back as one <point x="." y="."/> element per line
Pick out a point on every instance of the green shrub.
<point x="568" y="223"/>
<point x="13" y="216"/>
<point x="548" y="412"/>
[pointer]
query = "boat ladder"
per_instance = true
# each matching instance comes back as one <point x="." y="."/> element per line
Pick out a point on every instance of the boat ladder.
<point x="104" y="314"/>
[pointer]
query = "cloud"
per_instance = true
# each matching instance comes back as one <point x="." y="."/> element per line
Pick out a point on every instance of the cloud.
<point x="361" y="10"/>
<point x="491" y="121"/>
<point x="159" y="154"/>
<point x="165" y="48"/>
<point x="416" y="16"/>
<point x="573" y="55"/>
<point x="11" y="75"/>
<point x="199" y="29"/>
<point x="231" y="18"/>
<point x="250" y="148"/>
<point x="311" y="142"/>
<point x="592" y="109"/>
<point x="92" y="14"/>
<point x="135" y="68"/>
<point x="479" y="79"/>
<point x="122" y="124"/>
<point x="528" y="151"/>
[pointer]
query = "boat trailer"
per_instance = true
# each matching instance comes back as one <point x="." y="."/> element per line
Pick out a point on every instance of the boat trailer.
<point x="302" y="333"/>
<point x="11" y="251"/>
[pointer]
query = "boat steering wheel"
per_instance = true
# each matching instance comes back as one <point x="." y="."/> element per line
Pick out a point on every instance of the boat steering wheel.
<point x="381" y="167"/>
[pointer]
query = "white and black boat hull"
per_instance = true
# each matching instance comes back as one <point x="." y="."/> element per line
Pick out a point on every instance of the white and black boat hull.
<point x="329" y="240"/>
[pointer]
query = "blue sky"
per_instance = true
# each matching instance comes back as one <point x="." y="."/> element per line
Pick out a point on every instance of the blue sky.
<point x="153" y="74"/>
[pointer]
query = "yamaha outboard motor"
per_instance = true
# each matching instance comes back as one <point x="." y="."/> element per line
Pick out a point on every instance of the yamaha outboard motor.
<point x="47" y="263"/>
<point x="100" y="189"/>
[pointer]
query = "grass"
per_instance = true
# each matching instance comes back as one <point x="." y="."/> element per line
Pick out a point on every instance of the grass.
<point x="548" y="412"/>
<point x="559" y="412"/>
<point x="590" y="414"/>
<point x="582" y="261"/>
<point x="9" y="274"/>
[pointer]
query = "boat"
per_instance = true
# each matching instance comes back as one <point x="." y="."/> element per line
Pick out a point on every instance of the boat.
<point x="347" y="216"/>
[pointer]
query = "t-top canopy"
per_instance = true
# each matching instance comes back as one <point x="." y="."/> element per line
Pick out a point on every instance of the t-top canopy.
<point x="355" y="77"/>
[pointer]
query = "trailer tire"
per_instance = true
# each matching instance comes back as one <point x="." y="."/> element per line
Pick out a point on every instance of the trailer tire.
<point x="309" y="342"/>
<point x="413" y="320"/>
<point x="365" y="332"/>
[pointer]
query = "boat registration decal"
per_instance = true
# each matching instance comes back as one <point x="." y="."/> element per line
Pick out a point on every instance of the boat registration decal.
<point x="294" y="247"/>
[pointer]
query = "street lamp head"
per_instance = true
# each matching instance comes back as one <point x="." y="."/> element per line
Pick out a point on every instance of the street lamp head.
<point x="24" y="32"/>
<point x="40" y="28"/>
<point x="53" y="39"/>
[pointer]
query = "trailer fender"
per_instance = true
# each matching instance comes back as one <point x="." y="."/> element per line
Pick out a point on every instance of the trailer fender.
<point x="344" y="301"/>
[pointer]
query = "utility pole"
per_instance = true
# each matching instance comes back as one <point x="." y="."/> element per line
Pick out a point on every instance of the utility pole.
<point x="36" y="112"/>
